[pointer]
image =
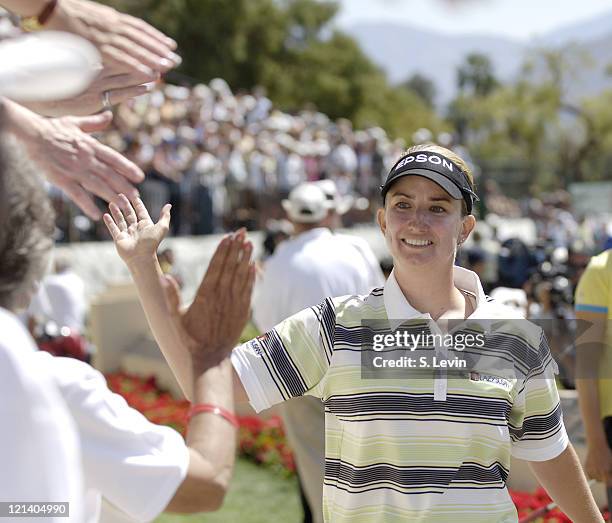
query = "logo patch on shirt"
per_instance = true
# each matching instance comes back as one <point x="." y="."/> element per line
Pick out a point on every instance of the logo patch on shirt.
<point x="488" y="378"/>
<point x="256" y="344"/>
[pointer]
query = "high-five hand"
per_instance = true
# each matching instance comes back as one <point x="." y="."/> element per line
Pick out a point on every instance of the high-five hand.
<point x="135" y="235"/>
<point x="203" y="335"/>
<point x="220" y="310"/>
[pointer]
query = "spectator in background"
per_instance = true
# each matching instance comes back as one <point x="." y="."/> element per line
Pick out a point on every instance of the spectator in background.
<point x="339" y="205"/>
<point x="276" y="232"/>
<point x="61" y="298"/>
<point x="476" y="262"/>
<point x="594" y="370"/>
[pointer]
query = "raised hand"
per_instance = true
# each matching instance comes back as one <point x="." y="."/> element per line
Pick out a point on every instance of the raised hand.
<point x="598" y="463"/>
<point x="120" y="87"/>
<point x="72" y="159"/>
<point x="135" y="235"/>
<point x="198" y="338"/>
<point x="127" y="44"/>
<point x="216" y="318"/>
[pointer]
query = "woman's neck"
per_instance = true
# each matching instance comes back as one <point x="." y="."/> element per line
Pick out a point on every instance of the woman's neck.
<point x="430" y="292"/>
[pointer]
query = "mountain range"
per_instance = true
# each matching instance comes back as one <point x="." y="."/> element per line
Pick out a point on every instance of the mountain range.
<point x="402" y="50"/>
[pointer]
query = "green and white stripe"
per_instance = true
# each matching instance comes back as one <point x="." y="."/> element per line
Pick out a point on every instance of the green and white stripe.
<point x="394" y="452"/>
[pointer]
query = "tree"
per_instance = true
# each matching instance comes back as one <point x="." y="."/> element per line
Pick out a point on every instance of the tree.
<point x="423" y="87"/>
<point x="289" y="47"/>
<point x="475" y="76"/>
<point x="533" y="128"/>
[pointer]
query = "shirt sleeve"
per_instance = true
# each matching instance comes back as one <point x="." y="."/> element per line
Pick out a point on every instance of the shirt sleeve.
<point x="536" y="424"/>
<point x="288" y="361"/>
<point x="593" y="291"/>
<point x="135" y="464"/>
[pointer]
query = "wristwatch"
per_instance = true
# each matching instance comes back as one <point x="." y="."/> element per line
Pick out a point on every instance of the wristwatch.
<point x="36" y="23"/>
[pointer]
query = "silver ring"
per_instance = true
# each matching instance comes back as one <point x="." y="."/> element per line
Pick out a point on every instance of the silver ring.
<point x="106" y="103"/>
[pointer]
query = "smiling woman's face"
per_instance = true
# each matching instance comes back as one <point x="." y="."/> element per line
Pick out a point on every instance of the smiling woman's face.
<point x="422" y="224"/>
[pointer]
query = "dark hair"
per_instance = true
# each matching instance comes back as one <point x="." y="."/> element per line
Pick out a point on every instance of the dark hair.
<point x="26" y="224"/>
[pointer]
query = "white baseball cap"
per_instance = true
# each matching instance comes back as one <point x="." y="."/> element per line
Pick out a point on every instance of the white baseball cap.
<point x="340" y="204"/>
<point x="307" y="203"/>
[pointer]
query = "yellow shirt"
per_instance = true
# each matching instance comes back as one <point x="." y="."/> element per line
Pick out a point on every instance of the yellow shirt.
<point x="594" y="294"/>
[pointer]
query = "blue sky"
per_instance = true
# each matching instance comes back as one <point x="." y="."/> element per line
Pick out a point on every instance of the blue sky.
<point x="519" y="19"/>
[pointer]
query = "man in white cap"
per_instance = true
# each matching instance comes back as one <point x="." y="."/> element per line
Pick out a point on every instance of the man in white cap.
<point x="340" y="205"/>
<point x="304" y="270"/>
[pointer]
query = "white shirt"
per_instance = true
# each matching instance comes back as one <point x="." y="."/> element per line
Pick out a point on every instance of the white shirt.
<point x="375" y="276"/>
<point x="61" y="298"/>
<point x="39" y="446"/>
<point x="134" y="464"/>
<point x="304" y="271"/>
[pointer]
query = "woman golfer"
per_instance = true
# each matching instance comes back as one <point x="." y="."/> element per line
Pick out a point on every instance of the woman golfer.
<point x="433" y="446"/>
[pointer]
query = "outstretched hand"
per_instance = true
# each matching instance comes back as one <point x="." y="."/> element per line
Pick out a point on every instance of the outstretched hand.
<point x="70" y="158"/>
<point x="211" y="326"/>
<point x="135" y="235"/>
<point x="128" y="44"/>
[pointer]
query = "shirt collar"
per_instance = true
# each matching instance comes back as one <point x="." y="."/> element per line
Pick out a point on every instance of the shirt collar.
<point x="399" y="309"/>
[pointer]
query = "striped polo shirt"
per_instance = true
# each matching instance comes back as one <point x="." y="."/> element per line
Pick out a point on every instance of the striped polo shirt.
<point x="430" y="448"/>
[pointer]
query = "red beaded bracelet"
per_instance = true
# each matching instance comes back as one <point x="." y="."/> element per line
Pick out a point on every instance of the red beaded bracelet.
<point x="213" y="409"/>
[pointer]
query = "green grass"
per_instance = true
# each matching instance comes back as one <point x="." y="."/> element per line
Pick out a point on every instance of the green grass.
<point x="256" y="495"/>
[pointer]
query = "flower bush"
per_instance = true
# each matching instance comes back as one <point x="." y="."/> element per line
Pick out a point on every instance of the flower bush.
<point x="259" y="440"/>
<point x="264" y="441"/>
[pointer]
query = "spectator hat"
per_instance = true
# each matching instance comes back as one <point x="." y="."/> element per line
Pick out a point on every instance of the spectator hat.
<point x="340" y="204"/>
<point x="307" y="203"/>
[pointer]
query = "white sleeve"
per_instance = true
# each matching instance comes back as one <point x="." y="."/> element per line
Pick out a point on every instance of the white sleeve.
<point x="135" y="464"/>
<point x="290" y="360"/>
<point x="39" y="448"/>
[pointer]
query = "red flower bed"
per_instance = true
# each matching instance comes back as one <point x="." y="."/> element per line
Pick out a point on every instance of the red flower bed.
<point x="527" y="502"/>
<point x="156" y="405"/>
<point x="263" y="441"/>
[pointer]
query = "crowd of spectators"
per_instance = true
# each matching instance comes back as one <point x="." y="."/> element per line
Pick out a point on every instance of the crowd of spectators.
<point x="227" y="159"/>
